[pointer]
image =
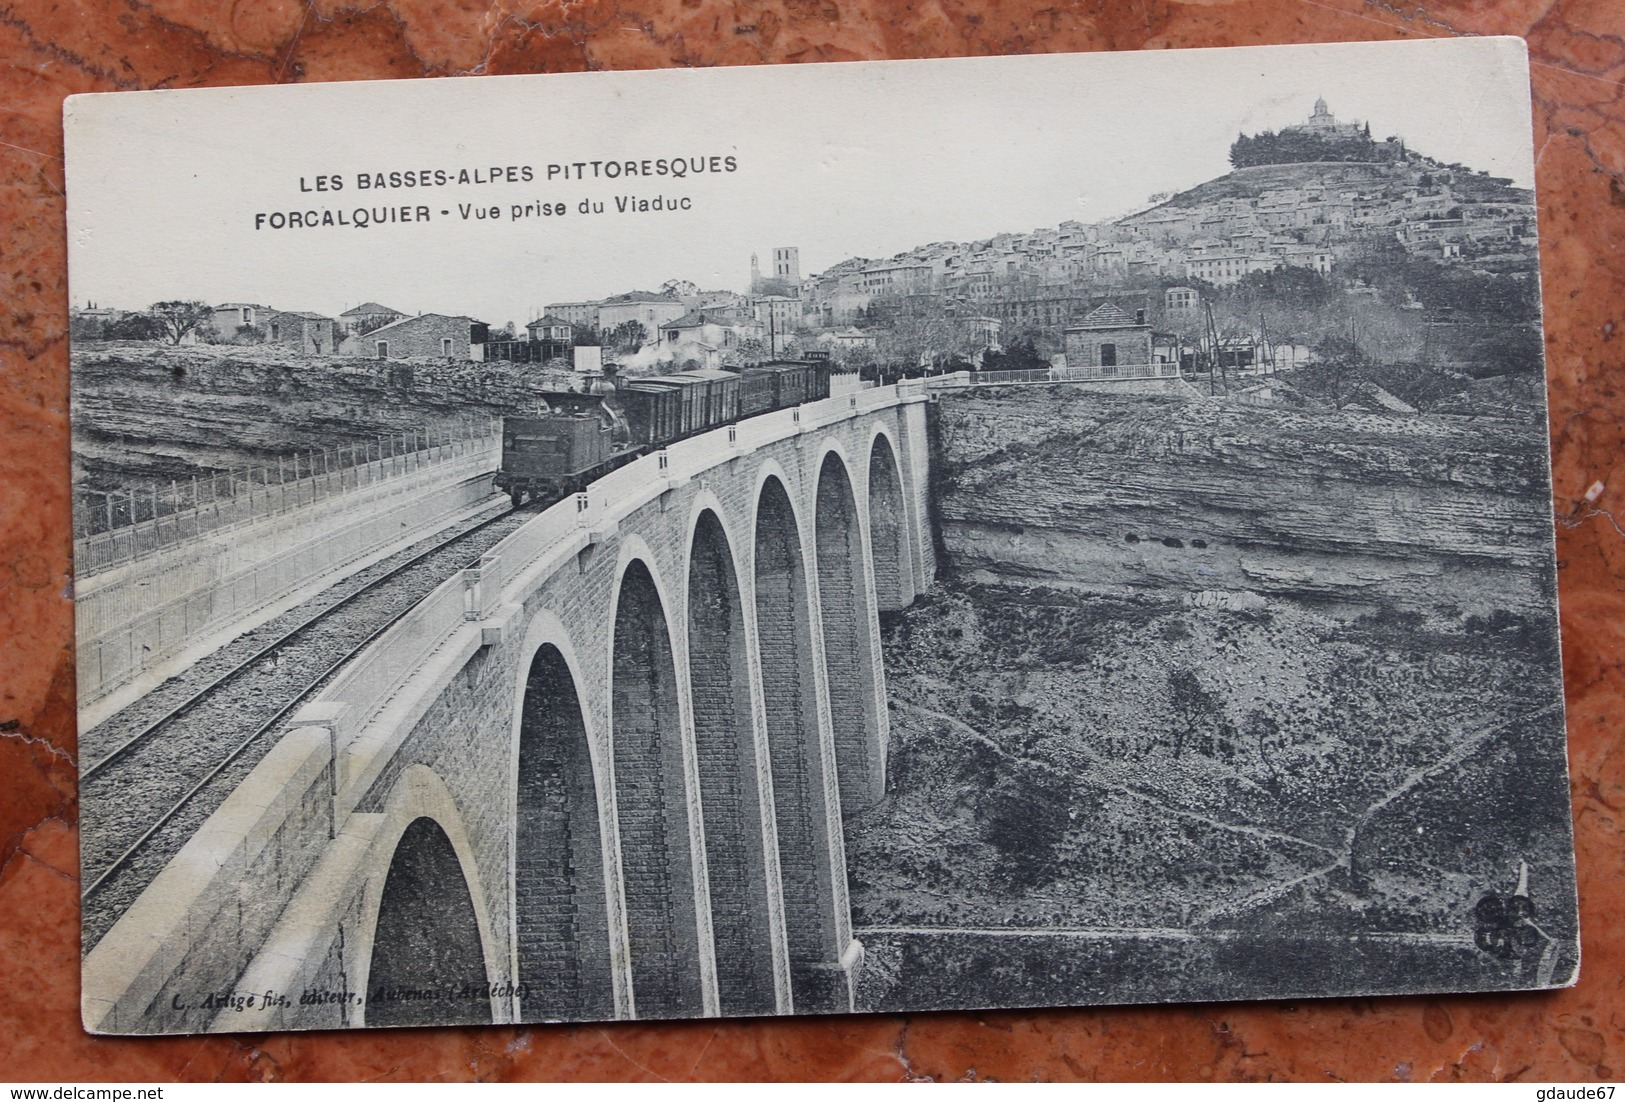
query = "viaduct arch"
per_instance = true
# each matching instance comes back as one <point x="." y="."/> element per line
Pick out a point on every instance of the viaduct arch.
<point x="561" y="924"/>
<point x="851" y="645"/>
<point x="424" y="950"/>
<point x="652" y="809"/>
<point x="725" y="737"/>
<point x="890" y="526"/>
<point x="613" y="761"/>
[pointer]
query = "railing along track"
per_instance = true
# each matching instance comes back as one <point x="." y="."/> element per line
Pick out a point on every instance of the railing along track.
<point x="321" y="672"/>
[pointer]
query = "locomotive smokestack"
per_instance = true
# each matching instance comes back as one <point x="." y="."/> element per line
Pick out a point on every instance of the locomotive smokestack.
<point x="607" y="383"/>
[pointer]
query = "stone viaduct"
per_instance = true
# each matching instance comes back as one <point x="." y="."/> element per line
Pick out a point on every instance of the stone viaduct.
<point x="600" y="775"/>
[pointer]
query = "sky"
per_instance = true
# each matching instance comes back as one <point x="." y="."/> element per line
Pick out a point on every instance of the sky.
<point x="166" y="189"/>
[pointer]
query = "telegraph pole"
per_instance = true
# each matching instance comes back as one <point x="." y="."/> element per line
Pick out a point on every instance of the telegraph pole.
<point x="1216" y="357"/>
<point x="1264" y="336"/>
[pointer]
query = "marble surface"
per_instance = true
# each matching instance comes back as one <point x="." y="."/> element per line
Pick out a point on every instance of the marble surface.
<point x="50" y="49"/>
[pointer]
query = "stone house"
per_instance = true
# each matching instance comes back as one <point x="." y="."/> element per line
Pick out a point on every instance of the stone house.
<point x="1107" y="338"/>
<point x="550" y="327"/>
<point x="718" y="328"/>
<point x="303" y="331"/>
<point x="426" y="336"/>
<point x="650" y="309"/>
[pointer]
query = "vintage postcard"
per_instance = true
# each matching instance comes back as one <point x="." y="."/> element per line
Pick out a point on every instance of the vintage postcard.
<point x="976" y="533"/>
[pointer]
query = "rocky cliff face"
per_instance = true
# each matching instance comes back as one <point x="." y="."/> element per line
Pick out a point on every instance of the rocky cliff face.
<point x="1245" y="681"/>
<point x="150" y="413"/>
<point x="1218" y="502"/>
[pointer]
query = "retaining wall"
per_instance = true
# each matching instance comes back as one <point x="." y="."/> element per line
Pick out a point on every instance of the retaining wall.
<point x="142" y="615"/>
<point x="171" y="962"/>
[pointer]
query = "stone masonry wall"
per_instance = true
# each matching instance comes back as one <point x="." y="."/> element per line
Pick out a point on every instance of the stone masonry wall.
<point x="466" y="734"/>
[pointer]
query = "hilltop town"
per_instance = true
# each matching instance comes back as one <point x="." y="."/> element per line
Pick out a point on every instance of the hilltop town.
<point x="1321" y="233"/>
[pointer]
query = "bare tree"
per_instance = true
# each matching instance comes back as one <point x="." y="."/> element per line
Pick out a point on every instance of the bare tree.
<point x="928" y="339"/>
<point x="1338" y="373"/>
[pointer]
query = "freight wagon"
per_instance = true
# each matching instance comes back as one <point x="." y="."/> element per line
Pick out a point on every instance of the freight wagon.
<point x="578" y="437"/>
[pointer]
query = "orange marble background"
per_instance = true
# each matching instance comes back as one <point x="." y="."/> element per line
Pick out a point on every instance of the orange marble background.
<point x="50" y="49"/>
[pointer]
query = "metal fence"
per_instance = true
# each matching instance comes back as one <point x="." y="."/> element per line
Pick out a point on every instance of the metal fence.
<point x="114" y="527"/>
<point x="1117" y="373"/>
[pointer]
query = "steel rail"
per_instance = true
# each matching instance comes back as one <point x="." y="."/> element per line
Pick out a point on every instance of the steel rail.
<point x="88" y="772"/>
<point x="122" y="861"/>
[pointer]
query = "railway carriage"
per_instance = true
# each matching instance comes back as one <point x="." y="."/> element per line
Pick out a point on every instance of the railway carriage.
<point x="663" y="408"/>
<point x="758" y="392"/>
<point x="578" y="437"/>
<point x="781" y="384"/>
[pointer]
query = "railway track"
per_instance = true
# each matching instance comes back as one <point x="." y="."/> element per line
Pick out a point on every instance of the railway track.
<point x="160" y="767"/>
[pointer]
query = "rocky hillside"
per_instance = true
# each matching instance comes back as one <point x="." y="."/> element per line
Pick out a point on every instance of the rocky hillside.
<point x="1204" y="675"/>
<point x="1258" y="180"/>
<point x="1187" y="496"/>
<point x="150" y="413"/>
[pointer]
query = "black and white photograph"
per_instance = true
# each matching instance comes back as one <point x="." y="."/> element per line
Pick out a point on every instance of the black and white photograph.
<point x="869" y="537"/>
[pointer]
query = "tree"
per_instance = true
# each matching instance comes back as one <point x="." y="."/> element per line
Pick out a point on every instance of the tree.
<point x="374" y="321"/>
<point x="1200" y="724"/>
<point x="919" y="336"/>
<point x="1021" y="355"/>
<point x="768" y="285"/>
<point x="176" y="319"/>
<point x="1337" y="375"/>
<point x="1299" y="146"/>
<point x="134" y="327"/>
<point x="1285" y="288"/>
<point x="1265" y="731"/>
<point x="749" y="351"/>
<point x="629" y="336"/>
<point x="1422" y="385"/>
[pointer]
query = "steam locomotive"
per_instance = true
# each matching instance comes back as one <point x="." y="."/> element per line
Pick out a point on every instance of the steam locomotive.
<point x="579" y="436"/>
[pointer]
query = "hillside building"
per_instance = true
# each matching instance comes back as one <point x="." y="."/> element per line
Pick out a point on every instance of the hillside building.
<point x="1225" y="269"/>
<point x="650" y="309"/>
<point x="1109" y="338"/>
<point x="780" y="316"/>
<point x="426" y="336"/>
<point x="551" y="327"/>
<point x="1182" y="302"/>
<point x="230" y="317"/>
<point x="581" y="315"/>
<point x="787" y="264"/>
<point x="1323" y="124"/>
<point x="303" y="331"/>
<point x="716" y="329"/>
